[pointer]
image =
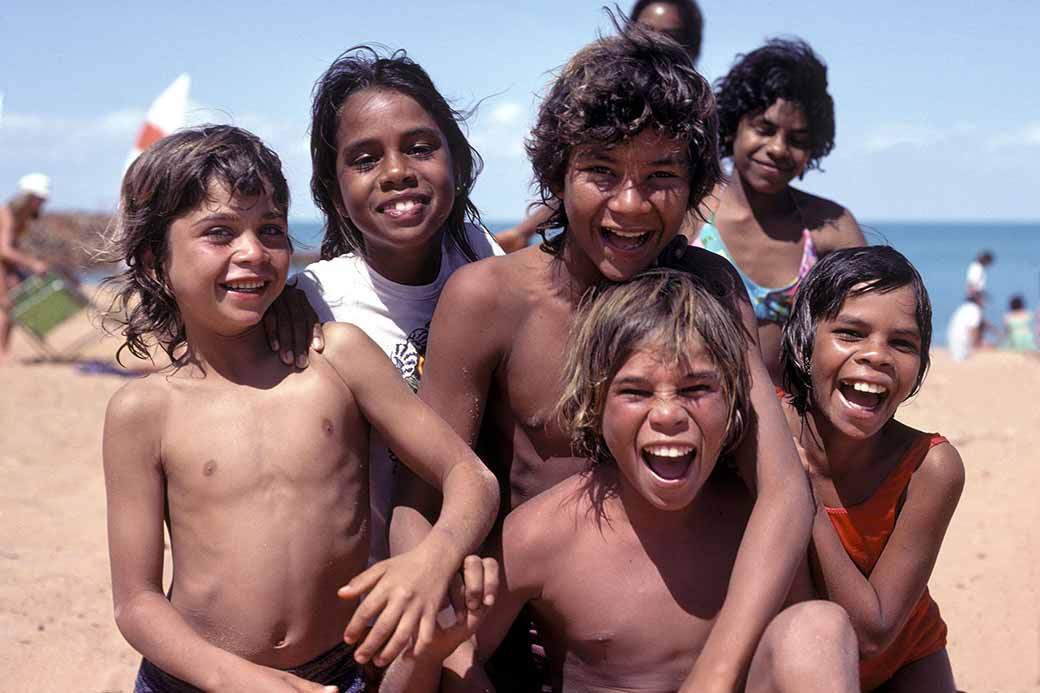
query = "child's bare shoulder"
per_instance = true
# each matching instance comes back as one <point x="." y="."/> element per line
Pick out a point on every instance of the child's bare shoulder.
<point x="831" y="224"/>
<point x="493" y="284"/>
<point x="348" y="348"/>
<point x="942" y="467"/>
<point x="544" y="525"/>
<point x="141" y="401"/>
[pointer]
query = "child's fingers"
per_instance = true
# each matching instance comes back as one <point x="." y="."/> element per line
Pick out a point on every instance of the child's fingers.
<point x="302" y="324"/>
<point x="283" y="319"/>
<point x="427" y="631"/>
<point x="491" y="580"/>
<point x="317" y="337"/>
<point x="271" y="328"/>
<point x="384" y="627"/>
<point x="402" y="637"/>
<point x="473" y="578"/>
<point x="363" y="582"/>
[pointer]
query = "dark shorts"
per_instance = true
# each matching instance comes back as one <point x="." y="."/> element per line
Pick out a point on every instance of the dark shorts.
<point x="334" y="668"/>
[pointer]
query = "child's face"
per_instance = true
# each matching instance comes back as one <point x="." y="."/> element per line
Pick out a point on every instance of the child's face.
<point x="395" y="171"/>
<point x="227" y="261"/>
<point x="865" y="361"/>
<point x="624" y="203"/>
<point x="772" y="148"/>
<point x="665" y="18"/>
<point x="665" y="425"/>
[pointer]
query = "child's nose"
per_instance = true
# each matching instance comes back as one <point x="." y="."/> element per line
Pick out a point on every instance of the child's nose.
<point x="250" y="248"/>
<point x="397" y="172"/>
<point x="628" y="198"/>
<point x="875" y="352"/>
<point x="667" y="415"/>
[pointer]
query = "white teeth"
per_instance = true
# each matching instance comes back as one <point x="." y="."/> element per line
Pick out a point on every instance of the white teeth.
<point x="627" y="234"/>
<point x="404" y="205"/>
<point x="668" y="451"/>
<point x="253" y="284"/>
<point x="869" y="387"/>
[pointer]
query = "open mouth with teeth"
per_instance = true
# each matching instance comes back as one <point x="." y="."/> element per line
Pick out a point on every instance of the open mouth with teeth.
<point x="624" y="240"/>
<point x="669" y="462"/>
<point x="861" y="395"/>
<point x="404" y="207"/>
<point x="245" y="286"/>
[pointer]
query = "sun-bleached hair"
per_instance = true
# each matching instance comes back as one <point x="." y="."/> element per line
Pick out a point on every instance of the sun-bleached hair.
<point x="670" y="312"/>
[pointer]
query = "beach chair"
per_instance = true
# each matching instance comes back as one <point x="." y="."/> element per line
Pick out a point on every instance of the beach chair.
<point x="42" y="303"/>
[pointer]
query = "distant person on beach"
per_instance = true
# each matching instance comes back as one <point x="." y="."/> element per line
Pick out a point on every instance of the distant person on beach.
<point x="975" y="281"/>
<point x="627" y="160"/>
<point x="855" y="348"/>
<point x="258" y="468"/>
<point x="1020" y="331"/>
<point x="681" y="20"/>
<point x="776" y="122"/>
<point x="656" y="395"/>
<point x="15" y="264"/>
<point x="967" y="328"/>
<point x="392" y="173"/>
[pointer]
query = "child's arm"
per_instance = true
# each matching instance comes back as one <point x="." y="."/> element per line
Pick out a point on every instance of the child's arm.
<point x="406" y="591"/>
<point x="136" y="497"/>
<point x="778" y="530"/>
<point x="461" y="357"/>
<point x="880" y="605"/>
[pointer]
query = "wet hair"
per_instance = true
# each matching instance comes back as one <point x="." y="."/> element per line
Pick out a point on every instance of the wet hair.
<point x="669" y="312"/>
<point x="985" y="257"/>
<point x="1017" y="302"/>
<point x="168" y="180"/>
<point x="358" y="69"/>
<point x="692" y="23"/>
<point x="782" y="69"/>
<point x="836" y="277"/>
<point x="609" y="92"/>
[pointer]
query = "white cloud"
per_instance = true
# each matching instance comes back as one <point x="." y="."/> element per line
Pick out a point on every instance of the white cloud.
<point x="506" y="114"/>
<point x="1028" y="135"/>
<point x="890" y="135"/>
<point x="499" y="134"/>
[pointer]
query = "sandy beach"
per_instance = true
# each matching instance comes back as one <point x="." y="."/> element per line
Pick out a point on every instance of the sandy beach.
<point x="56" y="626"/>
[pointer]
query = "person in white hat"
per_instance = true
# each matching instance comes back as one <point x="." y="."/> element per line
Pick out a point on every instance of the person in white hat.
<point x="33" y="191"/>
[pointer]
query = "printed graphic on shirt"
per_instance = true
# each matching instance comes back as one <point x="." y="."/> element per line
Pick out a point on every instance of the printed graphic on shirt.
<point x="409" y="356"/>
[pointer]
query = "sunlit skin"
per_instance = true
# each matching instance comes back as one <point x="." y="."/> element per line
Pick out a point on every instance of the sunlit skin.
<point x="259" y="471"/>
<point x="865" y="362"/>
<point x="396" y="182"/>
<point x="761" y="217"/>
<point x="663" y="17"/>
<point x="13" y="224"/>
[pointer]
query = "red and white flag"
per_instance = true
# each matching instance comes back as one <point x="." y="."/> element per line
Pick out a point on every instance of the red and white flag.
<point x="165" y="115"/>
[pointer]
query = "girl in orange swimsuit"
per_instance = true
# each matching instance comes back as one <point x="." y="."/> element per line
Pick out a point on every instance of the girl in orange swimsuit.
<point x="776" y="121"/>
<point x="855" y="347"/>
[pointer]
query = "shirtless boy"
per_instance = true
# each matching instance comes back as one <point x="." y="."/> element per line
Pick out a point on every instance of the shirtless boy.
<point x="258" y="469"/>
<point x="626" y="138"/>
<point x="655" y="393"/>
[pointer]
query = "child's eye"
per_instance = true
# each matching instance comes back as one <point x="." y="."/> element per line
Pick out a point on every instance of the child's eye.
<point x="422" y="150"/>
<point x="218" y="233"/>
<point x="273" y="230"/>
<point x="847" y="333"/>
<point x="364" y="163"/>
<point x="633" y="393"/>
<point x="597" y="170"/>
<point x="799" y="142"/>
<point x="905" y="345"/>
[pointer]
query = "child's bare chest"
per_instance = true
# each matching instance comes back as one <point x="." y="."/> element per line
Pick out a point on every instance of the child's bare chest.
<point x="232" y="440"/>
<point x="770" y="260"/>
<point x="621" y="616"/>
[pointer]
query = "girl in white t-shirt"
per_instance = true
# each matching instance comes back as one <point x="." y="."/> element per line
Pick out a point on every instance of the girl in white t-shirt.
<point x="392" y="173"/>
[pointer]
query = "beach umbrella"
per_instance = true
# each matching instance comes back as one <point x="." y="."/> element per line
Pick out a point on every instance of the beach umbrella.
<point x="165" y="115"/>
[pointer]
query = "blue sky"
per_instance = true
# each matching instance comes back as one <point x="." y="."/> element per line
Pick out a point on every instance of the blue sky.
<point x="938" y="109"/>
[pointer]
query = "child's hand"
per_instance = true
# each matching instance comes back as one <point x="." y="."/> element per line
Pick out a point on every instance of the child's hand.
<point x="402" y="596"/>
<point x="292" y="327"/>
<point x="253" y="678"/>
<point x="471" y="596"/>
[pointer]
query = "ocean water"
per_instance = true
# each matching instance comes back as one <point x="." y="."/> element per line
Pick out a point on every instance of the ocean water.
<point x="940" y="251"/>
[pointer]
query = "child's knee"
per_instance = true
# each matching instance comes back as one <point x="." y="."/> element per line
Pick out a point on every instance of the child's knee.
<point x="807" y="645"/>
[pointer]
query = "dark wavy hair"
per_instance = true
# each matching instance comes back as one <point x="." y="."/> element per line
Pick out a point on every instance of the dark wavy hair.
<point x="360" y="68"/>
<point x="169" y="179"/>
<point x="782" y="69"/>
<point x="665" y="309"/>
<point x="692" y="23"/>
<point x="609" y="92"/>
<point x="838" y="275"/>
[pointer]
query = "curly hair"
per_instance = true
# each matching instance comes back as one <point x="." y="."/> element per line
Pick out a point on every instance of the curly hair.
<point x="836" y="277"/>
<point x="692" y="23"/>
<point x="169" y="179"/>
<point x="670" y="311"/>
<point x="782" y="69"/>
<point x="360" y="68"/>
<point x="608" y="93"/>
